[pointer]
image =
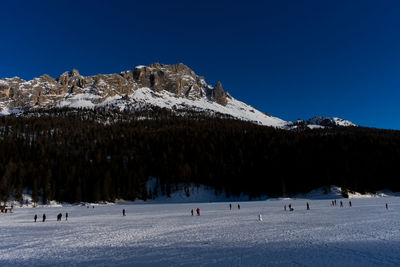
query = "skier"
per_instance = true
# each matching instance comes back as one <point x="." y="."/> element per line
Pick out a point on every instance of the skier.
<point x="335" y="202"/>
<point x="284" y="207"/>
<point x="341" y="204"/>
<point x="66" y="216"/>
<point x="387" y="207"/>
<point x="198" y="211"/>
<point x="192" y="212"/>
<point x="260" y="217"/>
<point x="308" y="206"/>
<point x="238" y="206"/>
<point x="59" y="217"/>
<point x="44" y="217"/>
<point x="35" y="218"/>
<point x="230" y="206"/>
<point x="123" y="212"/>
<point x="350" y="203"/>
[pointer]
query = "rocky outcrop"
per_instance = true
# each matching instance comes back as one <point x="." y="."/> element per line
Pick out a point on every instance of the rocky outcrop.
<point x="178" y="79"/>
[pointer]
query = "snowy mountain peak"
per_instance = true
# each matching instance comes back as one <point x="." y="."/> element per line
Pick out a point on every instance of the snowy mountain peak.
<point x="329" y="121"/>
<point x="175" y="87"/>
<point x="320" y="122"/>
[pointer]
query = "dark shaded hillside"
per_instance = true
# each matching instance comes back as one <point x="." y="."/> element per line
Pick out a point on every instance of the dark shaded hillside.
<point x="69" y="156"/>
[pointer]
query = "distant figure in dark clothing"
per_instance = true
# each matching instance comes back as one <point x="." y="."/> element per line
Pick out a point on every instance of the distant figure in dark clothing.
<point x="92" y="206"/>
<point x="238" y="206"/>
<point x="350" y="203"/>
<point x="308" y="206"/>
<point x="198" y="211"/>
<point x="59" y="216"/>
<point x="66" y="216"/>
<point x="44" y="217"/>
<point x="230" y="206"/>
<point x="290" y="206"/>
<point x="192" y="212"/>
<point x="123" y="212"/>
<point x="35" y="218"/>
<point x="284" y="207"/>
<point x="335" y="202"/>
<point x="341" y="204"/>
<point x="387" y="207"/>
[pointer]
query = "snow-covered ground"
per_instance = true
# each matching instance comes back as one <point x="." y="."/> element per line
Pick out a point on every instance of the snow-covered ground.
<point x="365" y="234"/>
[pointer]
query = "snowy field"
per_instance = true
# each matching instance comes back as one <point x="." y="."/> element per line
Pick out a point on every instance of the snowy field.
<point x="365" y="234"/>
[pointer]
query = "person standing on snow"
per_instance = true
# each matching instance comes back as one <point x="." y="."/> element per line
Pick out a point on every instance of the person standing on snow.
<point x="192" y="212"/>
<point x="308" y="206"/>
<point x="66" y="216"/>
<point x="238" y="206"/>
<point x="44" y="217"/>
<point x="35" y="218"/>
<point x="230" y="206"/>
<point x="123" y="212"/>
<point x="198" y="211"/>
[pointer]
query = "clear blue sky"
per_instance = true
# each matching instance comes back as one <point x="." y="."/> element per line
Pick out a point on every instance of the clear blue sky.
<point x="294" y="59"/>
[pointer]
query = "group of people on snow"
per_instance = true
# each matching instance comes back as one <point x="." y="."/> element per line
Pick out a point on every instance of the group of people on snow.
<point x="333" y="203"/>
<point x="197" y="211"/>
<point x="59" y="216"/>
<point x="289" y="206"/>
<point x="230" y="206"/>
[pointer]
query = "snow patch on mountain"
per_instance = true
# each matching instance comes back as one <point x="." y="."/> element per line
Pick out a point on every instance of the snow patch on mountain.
<point x="5" y="111"/>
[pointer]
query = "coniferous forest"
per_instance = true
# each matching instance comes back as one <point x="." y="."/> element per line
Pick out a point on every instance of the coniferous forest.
<point x="99" y="155"/>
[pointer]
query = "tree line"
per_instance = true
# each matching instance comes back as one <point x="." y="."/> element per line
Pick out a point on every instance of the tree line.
<point x="83" y="155"/>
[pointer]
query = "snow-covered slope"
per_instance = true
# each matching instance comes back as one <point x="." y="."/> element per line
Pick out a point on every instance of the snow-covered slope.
<point x="164" y="99"/>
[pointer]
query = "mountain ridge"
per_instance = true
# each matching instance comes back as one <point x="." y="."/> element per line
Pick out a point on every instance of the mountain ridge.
<point x="175" y="87"/>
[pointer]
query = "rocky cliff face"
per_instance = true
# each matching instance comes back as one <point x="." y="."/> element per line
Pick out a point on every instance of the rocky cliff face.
<point x="177" y="79"/>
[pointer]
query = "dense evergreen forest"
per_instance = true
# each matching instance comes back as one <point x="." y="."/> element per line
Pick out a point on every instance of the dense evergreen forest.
<point x="95" y="155"/>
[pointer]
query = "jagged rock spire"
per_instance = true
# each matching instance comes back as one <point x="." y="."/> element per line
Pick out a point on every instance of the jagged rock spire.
<point x="218" y="94"/>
